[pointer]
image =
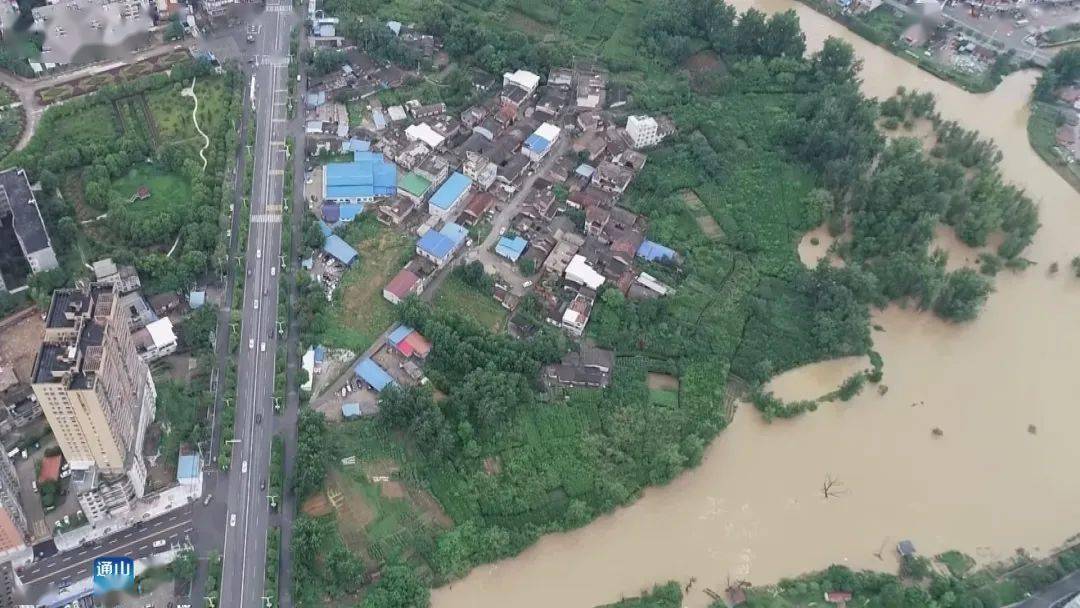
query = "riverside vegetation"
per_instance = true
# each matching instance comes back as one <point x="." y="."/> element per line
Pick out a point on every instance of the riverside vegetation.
<point x="918" y="584"/>
<point x="773" y="144"/>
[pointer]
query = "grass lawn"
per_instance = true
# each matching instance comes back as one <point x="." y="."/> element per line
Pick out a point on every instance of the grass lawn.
<point x="361" y="311"/>
<point x="96" y="124"/>
<point x="172" y="113"/>
<point x="664" y="397"/>
<point x="958" y="563"/>
<point x="455" y="296"/>
<point x="166" y="189"/>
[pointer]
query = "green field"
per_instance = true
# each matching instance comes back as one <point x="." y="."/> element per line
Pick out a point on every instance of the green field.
<point x="359" y="312"/>
<point x="168" y="191"/>
<point x="458" y="298"/>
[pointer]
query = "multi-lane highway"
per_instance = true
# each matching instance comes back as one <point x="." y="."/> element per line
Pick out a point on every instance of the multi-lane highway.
<point x="247" y="515"/>
<point x="174" y="527"/>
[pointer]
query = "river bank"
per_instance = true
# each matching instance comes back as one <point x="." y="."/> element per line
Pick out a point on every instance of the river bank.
<point x="754" y="508"/>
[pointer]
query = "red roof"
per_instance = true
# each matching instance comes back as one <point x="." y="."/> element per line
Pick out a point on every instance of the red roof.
<point x="417" y="343"/>
<point x="402" y="284"/>
<point x="50" y="469"/>
<point x="479" y="204"/>
<point x="836" y="597"/>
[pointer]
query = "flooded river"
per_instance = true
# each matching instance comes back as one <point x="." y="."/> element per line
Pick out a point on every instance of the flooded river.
<point x="754" y="509"/>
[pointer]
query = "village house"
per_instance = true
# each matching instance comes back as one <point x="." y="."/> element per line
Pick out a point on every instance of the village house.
<point x="439" y="246"/>
<point x="612" y="177"/>
<point x="480" y="203"/>
<point x="590" y="368"/>
<point x="404" y="283"/>
<point x="397" y="212"/>
<point x="561" y="77"/>
<point x="576" y="315"/>
<point x="414" y="187"/>
<point x="445" y="200"/>
<point x="420" y="112"/>
<point x="479" y="169"/>
<point x="434" y="168"/>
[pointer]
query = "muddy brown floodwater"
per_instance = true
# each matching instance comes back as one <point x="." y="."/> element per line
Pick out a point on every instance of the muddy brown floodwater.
<point x="754" y="508"/>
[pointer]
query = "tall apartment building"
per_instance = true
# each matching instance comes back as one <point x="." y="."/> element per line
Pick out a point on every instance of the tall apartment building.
<point x="95" y="390"/>
<point x="22" y="231"/>
<point x="643" y="131"/>
<point x="12" y="519"/>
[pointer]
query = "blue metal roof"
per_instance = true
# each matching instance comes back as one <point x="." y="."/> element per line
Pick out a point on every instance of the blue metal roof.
<point x="348" y="211"/>
<point x="536" y="143"/>
<point x="336" y="247"/>
<point x="350" y="410"/>
<point x="435" y="244"/>
<point x="187" y="467"/>
<point x="455" y="232"/>
<point x="511" y="248"/>
<point x="320" y="353"/>
<point x="331" y="212"/>
<point x="451" y="190"/>
<point x="357" y="145"/>
<point x="654" y="251"/>
<point x="370" y="372"/>
<point x="400" y="333"/>
<point x="325" y="228"/>
<point x="440" y="244"/>
<point x="366" y="177"/>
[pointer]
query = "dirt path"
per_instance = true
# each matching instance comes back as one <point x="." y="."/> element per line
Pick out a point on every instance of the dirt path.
<point x="190" y="92"/>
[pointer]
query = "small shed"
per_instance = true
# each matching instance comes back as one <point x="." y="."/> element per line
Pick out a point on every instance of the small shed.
<point x="655" y="252"/>
<point x="350" y="411"/>
<point x="905" y="548"/>
<point x="196" y="299"/>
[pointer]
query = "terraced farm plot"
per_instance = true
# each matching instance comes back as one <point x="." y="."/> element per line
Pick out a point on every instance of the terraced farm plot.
<point x="705" y="221"/>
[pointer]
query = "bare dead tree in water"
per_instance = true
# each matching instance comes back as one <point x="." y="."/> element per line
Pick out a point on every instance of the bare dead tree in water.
<point x="832" y="488"/>
<point x="881" y="550"/>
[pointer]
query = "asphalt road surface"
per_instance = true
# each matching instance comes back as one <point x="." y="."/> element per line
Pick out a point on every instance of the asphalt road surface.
<point x="1054" y="596"/>
<point x="247" y="516"/>
<point x="174" y="527"/>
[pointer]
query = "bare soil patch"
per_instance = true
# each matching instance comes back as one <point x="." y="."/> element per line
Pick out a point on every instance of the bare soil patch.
<point x="392" y="489"/>
<point x="380" y="468"/>
<point x="704" y="62"/>
<point x="316" y="506"/>
<point x="492" y="466"/>
<point x="430" y="508"/>
<point x="354" y="513"/>
<point x="664" y="382"/>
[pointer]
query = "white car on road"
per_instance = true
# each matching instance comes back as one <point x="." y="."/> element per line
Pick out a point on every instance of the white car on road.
<point x="232" y="520"/>
<point x="256" y="304"/>
<point x="258" y="254"/>
<point x="251" y="343"/>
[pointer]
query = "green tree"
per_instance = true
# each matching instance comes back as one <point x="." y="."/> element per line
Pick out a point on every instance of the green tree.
<point x="963" y="295"/>
<point x="312" y="456"/>
<point x="183" y="567"/>
<point x="398" y="587"/>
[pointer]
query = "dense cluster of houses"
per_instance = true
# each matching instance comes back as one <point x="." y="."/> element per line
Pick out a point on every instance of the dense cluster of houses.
<point x="546" y="160"/>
